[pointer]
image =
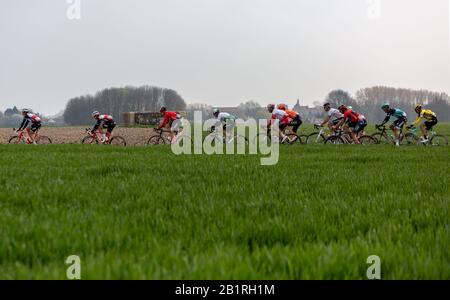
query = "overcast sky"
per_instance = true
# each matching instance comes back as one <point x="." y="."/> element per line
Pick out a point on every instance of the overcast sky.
<point x="220" y="52"/>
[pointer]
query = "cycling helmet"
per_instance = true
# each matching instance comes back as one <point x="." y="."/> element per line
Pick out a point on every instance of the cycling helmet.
<point x="343" y="108"/>
<point x="271" y="107"/>
<point x="95" y="114"/>
<point x="26" y="111"/>
<point x="418" y="106"/>
<point x="216" y="111"/>
<point x="385" y="105"/>
<point x="282" y="106"/>
<point x="163" y="109"/>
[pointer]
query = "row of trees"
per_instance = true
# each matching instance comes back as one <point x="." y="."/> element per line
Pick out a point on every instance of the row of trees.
<point x="11" y="117"/>
<point x="369" y="101"/>
<point x="116" y="101"/>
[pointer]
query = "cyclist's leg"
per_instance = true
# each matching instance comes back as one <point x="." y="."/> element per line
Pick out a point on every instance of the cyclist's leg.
<point x="99" y="133"/>
<point x="395" y="129"/>
<point x="174" y="128"/>
<point x="109" y="131"/>
<point x="282" y="128"/>
<point x="35" y="129"/>
<point x="29" y="132"/>
<point x="296" y="124"/>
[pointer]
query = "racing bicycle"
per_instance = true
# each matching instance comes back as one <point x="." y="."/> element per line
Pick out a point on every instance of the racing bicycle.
<point x="434" y="139"/>
<point x="382" y="137"/>
<point x="162" y="139"/>
<point x="92" y="138"/>
<point x="21" y="139"/>
<point x="341" y="137"/>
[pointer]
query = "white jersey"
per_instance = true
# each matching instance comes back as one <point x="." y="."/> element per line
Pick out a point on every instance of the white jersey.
<point x="279" y="114"/>
<point x="225" y="119"/>
<point x="334" y="114"/>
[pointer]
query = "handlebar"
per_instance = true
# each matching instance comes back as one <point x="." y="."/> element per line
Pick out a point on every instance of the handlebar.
<point x="318" y="127"/>
<point x="380" y="128"/>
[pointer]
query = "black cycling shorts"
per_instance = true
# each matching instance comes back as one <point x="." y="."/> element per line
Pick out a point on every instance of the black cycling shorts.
<point x="35" y="127"/>
<point x="399" y="123"/>
<point x="431" y="123"/>
<point x="109" y="127"/>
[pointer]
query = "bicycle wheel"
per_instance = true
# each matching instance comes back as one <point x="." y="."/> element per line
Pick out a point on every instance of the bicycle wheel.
<point x="367" y="140"/>
<point x="15" y="140"/>
<point x="381" y="138"/>
<point x="315" y="138"/>
<point x="88" y="140"/>
<point x="439" y="140"/>
<point x="410" y="139"/>
<point x="303" y="139"/>
<point x="335" y="140"/>
<point x="156" y="140"/>
<point x="43" y="140"/>
<point x="118" y="141"/>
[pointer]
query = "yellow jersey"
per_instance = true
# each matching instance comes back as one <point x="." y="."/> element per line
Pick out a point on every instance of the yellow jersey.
<point x="425" y="114"/>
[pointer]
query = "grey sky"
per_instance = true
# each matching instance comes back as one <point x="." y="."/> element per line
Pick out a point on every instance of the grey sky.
<point x="220" y="52"/>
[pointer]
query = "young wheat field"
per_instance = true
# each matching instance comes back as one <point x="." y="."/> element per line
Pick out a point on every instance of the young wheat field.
<point x="144" y="213"/>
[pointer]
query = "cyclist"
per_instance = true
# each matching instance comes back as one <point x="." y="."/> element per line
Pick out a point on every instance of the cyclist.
<point x="296" y="120"/>
<point x="333" y="116"/>
<point x="32" y="123"/>
<point x="398" y="124"/>
<point x="353" y="121"/>
<point x="172" y="120"/>
<point x="227" y="120"/>
<point x="103" y="122"/>
<point x="282" y="117"/>
<point x="427" y="120"/>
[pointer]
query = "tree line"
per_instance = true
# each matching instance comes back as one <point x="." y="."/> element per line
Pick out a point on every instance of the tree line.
<point x="116" y="101"/>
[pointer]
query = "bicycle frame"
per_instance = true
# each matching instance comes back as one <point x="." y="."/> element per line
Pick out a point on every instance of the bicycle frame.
<point x="94" y="135"/>
<point x="21" y="137"/>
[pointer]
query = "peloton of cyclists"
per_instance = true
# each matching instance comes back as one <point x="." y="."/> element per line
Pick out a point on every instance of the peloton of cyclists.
<point x="398" y="124"/>
<point x="31" y="123"/>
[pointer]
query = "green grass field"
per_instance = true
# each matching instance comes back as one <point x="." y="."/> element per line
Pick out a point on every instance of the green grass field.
<point x="143" y="213"/>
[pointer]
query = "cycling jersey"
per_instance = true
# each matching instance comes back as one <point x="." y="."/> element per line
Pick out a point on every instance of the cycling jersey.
<point x="169" y="117"/>
<point x="334" y="114"/>
<point x="280" y="115"/>
<point x="106" y="120"/>
<point x="225" y="117"/>
<point x="425" y="114"/>
<point x="353" y="116"/>
<point x="399" y="114"/>
<point x="292" y="113"/>
<point x="30" y="119"/>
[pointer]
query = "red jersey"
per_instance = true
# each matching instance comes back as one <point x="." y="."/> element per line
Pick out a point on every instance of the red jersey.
<point x="169" y="117"/>
<point x="353" y="116"/>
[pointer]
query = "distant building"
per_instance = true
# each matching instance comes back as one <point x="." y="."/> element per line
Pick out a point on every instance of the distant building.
<point x="144" y="118"/>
